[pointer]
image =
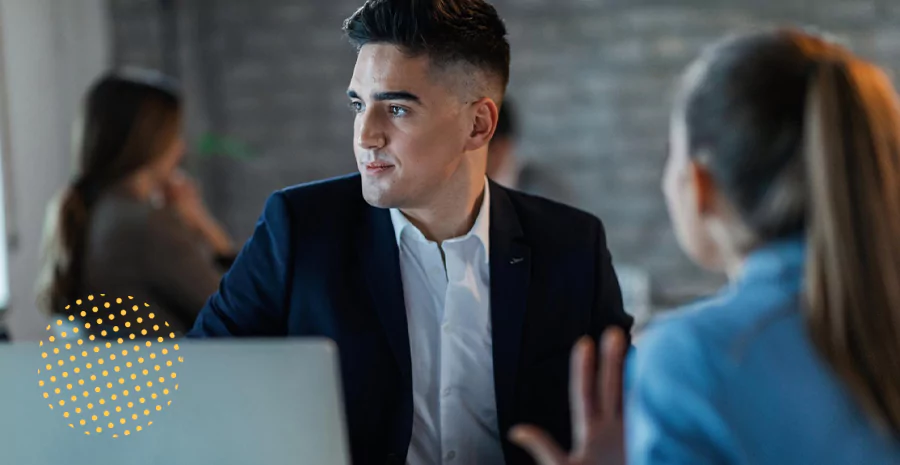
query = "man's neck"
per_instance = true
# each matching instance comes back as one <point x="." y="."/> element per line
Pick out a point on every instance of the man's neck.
<point x="451" y="216"/>
<point x="508" y="173"/>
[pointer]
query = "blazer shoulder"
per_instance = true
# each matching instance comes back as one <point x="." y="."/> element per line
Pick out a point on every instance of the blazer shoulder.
<point x="329" y="190"/>
<point x="540" y="213"/>
<point x="328" y="203"/>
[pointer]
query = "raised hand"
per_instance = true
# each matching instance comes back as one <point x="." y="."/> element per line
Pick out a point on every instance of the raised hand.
<point x="183" y="195"/>
<point x="597" y="426"/>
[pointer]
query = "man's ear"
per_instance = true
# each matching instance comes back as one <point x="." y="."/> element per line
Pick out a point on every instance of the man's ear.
<point x="704" y="186"/>
<point x="484" y="122"/>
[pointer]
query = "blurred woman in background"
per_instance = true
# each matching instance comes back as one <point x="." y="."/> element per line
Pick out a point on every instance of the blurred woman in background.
<point x="784" y="173"/>
<point x="131" y="223"/>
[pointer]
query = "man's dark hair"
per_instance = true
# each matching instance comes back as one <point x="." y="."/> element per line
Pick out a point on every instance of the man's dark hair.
<point x="447" y="31"/>
<point x="507" y="124"/>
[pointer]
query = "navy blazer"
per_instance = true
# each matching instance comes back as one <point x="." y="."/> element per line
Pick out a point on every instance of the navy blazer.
<point x="323" y="262"/>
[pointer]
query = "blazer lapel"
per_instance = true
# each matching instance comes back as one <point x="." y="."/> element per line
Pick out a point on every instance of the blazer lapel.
<point x="510" y="272"/>
<point x="381" y="266"/>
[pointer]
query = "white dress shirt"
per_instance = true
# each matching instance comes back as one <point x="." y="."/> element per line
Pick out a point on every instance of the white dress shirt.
<point x="449" y="315"/>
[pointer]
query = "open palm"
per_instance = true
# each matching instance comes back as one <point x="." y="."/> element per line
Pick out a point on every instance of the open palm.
<point x="597" y="428"/>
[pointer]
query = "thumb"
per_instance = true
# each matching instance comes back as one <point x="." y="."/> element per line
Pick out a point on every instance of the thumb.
<point x="539" y="444"/>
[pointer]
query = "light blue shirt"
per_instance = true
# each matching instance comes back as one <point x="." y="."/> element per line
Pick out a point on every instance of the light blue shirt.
<point x="734" y="380"/>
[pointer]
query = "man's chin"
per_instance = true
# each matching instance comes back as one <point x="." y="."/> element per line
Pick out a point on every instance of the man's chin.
<point x="377" y="198"/>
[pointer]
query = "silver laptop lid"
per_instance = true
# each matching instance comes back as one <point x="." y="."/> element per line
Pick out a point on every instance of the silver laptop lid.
<point x="186" y="402"/>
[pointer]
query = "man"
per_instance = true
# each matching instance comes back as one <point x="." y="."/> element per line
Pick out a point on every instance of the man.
<point x="505" y="168"/>
<point x="454" y="301"/>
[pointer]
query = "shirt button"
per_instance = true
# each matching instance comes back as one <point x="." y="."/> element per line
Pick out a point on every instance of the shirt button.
<point x="450" y="455"/>
<point x="446" y="392"/>
<point x="446" y="327"/>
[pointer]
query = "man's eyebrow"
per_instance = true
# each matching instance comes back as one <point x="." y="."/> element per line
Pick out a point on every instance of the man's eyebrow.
<point x="396" y="95"/>
<point x="392" y="95"/>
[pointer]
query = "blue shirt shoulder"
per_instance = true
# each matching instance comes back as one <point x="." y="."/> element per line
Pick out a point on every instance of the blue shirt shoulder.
<point x="734" y="379"/>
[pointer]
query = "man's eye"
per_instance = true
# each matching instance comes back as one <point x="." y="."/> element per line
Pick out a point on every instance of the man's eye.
<point x="398" y="111"/>
<point x="356" y="107"/>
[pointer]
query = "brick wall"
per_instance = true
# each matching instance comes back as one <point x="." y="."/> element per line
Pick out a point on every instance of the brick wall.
<point x="592" y="79"/>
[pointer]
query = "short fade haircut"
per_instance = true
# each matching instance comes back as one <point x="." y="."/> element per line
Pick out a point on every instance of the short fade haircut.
<point x="448" y="32"/>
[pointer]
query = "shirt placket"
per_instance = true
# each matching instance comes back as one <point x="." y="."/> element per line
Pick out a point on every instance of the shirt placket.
<point x="433" y="275"/>
<point x="450" y="368"/>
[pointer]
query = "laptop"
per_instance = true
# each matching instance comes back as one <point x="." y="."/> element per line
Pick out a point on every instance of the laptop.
<point x="174" y="401"/>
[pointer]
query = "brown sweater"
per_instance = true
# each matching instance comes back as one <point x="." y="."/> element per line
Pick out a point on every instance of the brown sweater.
<point x="135" y="249"/>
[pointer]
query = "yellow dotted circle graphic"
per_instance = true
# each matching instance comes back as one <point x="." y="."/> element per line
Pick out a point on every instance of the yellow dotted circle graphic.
<point x="110" y="386"/>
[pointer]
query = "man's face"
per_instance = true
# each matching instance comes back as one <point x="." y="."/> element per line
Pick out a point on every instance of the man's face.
<point x="410" y="128"/>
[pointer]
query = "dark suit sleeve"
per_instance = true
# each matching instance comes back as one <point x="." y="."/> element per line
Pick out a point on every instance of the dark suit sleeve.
<point x="608" y="307"/>
<point x="251" y="298"/>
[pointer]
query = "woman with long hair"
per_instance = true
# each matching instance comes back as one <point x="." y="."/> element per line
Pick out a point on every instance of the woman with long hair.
<point x="131" y="223"/>
<point x="784" y="173"/>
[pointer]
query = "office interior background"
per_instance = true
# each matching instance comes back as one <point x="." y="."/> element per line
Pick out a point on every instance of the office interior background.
<point x="265" y="85"/>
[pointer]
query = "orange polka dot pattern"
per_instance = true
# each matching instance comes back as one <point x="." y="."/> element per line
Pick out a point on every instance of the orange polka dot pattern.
<point x="110" y="386"/>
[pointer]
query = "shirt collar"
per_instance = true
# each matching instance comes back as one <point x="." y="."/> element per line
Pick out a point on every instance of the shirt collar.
<point x="781" y="258"/>
<point x="481" y="229"/>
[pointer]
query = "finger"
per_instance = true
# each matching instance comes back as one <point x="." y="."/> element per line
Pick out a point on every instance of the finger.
<point x="170" y="190"/>
<point x="539" y="444"/>
<point x="175" y="184"/>
<point x="581" y="389"/>
<point x="613" y="361"/>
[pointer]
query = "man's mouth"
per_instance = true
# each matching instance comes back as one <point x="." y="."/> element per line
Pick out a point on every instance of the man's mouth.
<point x="377" y="167"/>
